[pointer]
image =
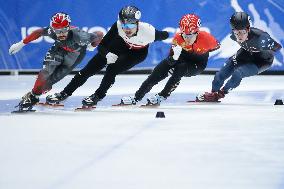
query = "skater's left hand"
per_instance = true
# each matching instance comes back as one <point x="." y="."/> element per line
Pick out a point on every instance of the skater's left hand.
<point x="90" y="47"/>
<point x="16" y="47"/>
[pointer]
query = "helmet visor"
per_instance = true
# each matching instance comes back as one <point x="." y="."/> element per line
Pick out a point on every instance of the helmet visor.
<point x="128" y="25"/>
<point x="61" y="30"/>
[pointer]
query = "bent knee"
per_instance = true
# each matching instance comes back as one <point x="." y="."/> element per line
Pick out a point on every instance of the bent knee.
<point x="219" y="76"/>
<point x="237" y="75"/>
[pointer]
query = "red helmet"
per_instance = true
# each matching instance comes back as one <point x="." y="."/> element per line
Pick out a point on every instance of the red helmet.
<point x="60" y="20"/>
<point x="189" y="23"/>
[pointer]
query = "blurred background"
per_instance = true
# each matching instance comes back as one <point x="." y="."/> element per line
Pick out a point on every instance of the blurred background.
<point x="18" y="18"/>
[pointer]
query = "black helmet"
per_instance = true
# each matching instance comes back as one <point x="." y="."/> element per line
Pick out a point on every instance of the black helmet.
<point x="129" y="14"/>
<point x="240" y="21"/>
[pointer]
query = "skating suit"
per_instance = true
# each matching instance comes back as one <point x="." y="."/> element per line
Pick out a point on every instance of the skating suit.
<point x="258" y="49"/>
<point x="62" y="57"/>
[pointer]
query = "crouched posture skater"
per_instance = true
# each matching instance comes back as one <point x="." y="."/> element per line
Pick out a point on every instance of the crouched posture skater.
<point x="65" y="54"/>
<point x="255" y="56"/>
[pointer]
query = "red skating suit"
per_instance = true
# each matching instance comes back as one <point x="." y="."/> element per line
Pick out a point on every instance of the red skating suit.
<point x="204" y="43"/>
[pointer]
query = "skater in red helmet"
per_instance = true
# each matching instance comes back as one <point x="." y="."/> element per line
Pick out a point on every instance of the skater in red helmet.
<point x="65" y="54"/>
<point x="188" y="57"/>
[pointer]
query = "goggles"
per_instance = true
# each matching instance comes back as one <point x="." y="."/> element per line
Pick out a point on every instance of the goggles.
<point x="240" y="32"/>
<point x="189" y="35"/>
<point x="61" y="30"/>
<point x="128" y="25"/>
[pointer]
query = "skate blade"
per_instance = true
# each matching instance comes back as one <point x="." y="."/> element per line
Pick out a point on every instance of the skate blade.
<point x="49" y="104"/>
<point x="22" y="111"/>
<point x="149" y="105"/>
<point x="197" y="101"/>
<point x="123" y="105"/>
<point x="85" y="108"/>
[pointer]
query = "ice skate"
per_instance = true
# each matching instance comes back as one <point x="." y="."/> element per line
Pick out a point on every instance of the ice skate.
<point x="127" y="101"/>
<point x="210" y="96"/>
<point x="56" y="98"/>
<point x="91" y="100"/>
<point x="27" y="103"/>
<point x="154" y="101"/>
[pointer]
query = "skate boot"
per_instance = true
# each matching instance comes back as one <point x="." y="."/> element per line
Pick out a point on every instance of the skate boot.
<point x="128" y="100"/>
<point x="211" y="96"/>
<point x="91" y="100"/>
<point x="28" y="101"/>
<point x="56" y="98"/>
<point x="155" y="100"/>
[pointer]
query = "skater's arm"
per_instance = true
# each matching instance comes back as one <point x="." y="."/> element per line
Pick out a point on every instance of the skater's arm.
<point x="211" y="43"/>
<point x="265" y="42"/>
<point x="34" y="35"/>
<point x="276" y="47"/>
<point x="214" y="44"/>
<point x="175" y="51"/>
<point x="16" y="47"/>
<point x="96" y="38"/>
<point x="161" y="35"/>
<point x="103" y="46"/>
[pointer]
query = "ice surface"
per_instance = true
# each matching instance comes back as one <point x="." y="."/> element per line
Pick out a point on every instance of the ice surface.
<point x="236" y="144"/>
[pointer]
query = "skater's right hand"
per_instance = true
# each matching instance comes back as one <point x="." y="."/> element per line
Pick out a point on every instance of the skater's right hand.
<point x="111" y="58"/>
<point x="177" y="51"/>
<point x="16" y="47"/>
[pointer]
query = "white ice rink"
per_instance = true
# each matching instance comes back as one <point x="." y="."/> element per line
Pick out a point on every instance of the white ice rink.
<point x="236" y="144"/>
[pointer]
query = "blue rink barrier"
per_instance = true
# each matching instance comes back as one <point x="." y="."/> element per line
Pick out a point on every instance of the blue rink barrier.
<point x="20" y="18"/>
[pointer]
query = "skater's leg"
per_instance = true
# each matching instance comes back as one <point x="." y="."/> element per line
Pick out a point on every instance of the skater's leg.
<point x="159" y="73"/>
<point x="96" y="64"/>
<point x="241" y="72"/>
<point x="225" y="72"/>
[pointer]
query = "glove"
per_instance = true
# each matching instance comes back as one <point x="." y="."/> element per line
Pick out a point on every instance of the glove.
<point x="16" y="47"/>
<point x="98" y="35"/>
<point x="177" y="51"/>
<point x="111" y="58"/>
<point x="90" y="47"/>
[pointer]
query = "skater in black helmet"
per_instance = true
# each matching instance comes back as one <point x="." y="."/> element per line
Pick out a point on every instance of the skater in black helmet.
<point x="67" y="52"/>
<point x="255" y="56"/>
<point x="124" y="46"/>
